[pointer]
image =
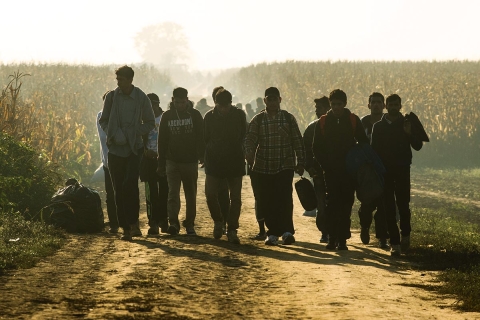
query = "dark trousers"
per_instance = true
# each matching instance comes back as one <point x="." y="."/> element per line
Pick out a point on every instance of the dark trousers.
<point x="365" y="213"/>
<point x="321" y="194"/>
<point x="156" y="194"/>
<point x="397" y="195"/>
<point x="124" y="172"/>
<point x="273" y="196"/>
<point x="110" y="195"/>
<point x="340" y="198"/>
<point x="224" y="200"/>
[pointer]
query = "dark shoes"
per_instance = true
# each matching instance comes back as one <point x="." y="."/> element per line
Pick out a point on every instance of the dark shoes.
<point x="288" y="238"/>
<point x="365" y="235"/>
<point x="332" y="244"/>
<point x="260" y="236"/>
<point x="382" y="243"/>
<point x="405" y="243"/>
<point x="172" y="229"/>
<point x="153" y="230"/>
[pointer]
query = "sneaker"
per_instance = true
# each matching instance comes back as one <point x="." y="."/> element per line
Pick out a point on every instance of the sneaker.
<point x="153" y="230"/>
<point x="190" y="231"/>
<point x="172" y="229"/>
<point x="164" y="227"/>
<point x="135" y="230"/>
<point x="342" y="245"/>
<point x="382" y="243"/>
<point x="405" y="243"/>
<point x="396" y="250"/>
<point x="217" y="229"/>
<point x="232" y="236"/>
<point x="324" y="238"/>
<point x="288" y="238"/>
<point x="260" y="236"/>
<point x="271" y="240"/>
<point x="365" y="235"/>
<point x="127" y="236"/>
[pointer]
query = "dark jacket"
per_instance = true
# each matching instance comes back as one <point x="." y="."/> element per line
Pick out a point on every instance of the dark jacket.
<point x="367" y="125"/>
<point x="331" y="147"/>
<point x="180" y="136"/>
<point x="392" y="144"/>
<point x="308" y="135"/>
<point x="224" y="134"/>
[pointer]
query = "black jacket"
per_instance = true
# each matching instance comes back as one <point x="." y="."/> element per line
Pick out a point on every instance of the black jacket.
<point x="308" y="135"/>
<point x="224" y="134"/>
<point x="392" y="144"/>
<point x="331" y="147"/>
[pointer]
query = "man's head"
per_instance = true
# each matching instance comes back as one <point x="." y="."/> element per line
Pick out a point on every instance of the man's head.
<point x="180" y="98"/>
<point x="322" y="105"/>
<point x="394" y="104"/>
<point x="155" y="101"/>
<point x="214" y="92"/>
<point x="272" y="99"/>
<point x="260" y="104"/>
<point x="248" y="107"/>
<point x="124" y="77"/>
<point x="223" y="98"/>
<point x="376" y="103"/>
<point x="202" y="102"/>
<point x="338" y="101"/>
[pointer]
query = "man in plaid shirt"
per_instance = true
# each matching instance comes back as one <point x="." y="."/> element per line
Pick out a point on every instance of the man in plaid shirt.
<point x="274" y="148"/>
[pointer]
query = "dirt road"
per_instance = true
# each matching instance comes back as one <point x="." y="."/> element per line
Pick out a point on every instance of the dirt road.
<point x="197" y="277"/>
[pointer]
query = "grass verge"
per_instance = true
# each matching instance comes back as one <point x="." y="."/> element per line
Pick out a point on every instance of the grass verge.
<point x="24" y="242"/>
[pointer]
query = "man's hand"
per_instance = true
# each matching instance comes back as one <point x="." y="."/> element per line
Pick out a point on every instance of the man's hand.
<point x="162" y="171"/>
<point x="299" y="169"/>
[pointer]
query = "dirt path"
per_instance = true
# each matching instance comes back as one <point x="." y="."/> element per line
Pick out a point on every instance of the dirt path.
<point x="185" y="277"/>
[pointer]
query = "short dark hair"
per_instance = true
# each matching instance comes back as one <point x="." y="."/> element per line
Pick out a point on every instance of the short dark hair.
<point x="272" y="91"/>
<point x="214" y="92"/>
<point x="376" y="94"/>
<point x="337" y="94"/>
<point x="394" y="97"/>
<point x="180" y="92"/>
<point x="322" y="102"/>
<point x="153" y="97"/>
<point x="125" y="71"/>
<point x="223" y="97"/>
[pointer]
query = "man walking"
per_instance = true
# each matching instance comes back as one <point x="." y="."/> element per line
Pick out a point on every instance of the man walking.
<point x="392" y="139"/>
<point x="274" y="148"/>
<point x="180" y="149"/>
<point x="224" y="131"/>
<point x="127" y="115"/>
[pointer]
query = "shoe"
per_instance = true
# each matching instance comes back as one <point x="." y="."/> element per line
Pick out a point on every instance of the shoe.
<point x="172" y="230"/>
<point x="271" y="240"/>
<point x="260" y="236"/>
<point x="288" y="238"/>
<point x="332" y="244"/>
<point x="164" y="226"/>
<point x="405" y="243"/>
<point x="324" y="238"/>
<point x="365" y="235"/>
<point x="135" y="230"/>
<point x="342" y="245"/>
<point x="190" y="231"/>
<point x="113" y="230"/>
<point x="232" y="236"/>
<point x="396" y="250"/>
<point x="127" y="236"/>
<point x="217" y="229"/>
<point x="153" y="230"/>
<point x="382" y="243"/>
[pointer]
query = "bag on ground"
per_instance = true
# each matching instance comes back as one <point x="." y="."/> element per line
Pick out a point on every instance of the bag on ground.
<point x="75" y="208"/>
<point x="306" y="194"/>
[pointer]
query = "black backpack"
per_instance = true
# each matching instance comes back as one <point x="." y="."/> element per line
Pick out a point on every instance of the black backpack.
<point x="75" y="208"/>
<point x="306" y="194"/>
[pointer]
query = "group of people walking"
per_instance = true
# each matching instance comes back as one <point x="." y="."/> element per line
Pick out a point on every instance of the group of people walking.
<point x="165" y="149"/>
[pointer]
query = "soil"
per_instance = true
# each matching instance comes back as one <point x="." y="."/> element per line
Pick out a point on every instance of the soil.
<point x="197" y="277"/>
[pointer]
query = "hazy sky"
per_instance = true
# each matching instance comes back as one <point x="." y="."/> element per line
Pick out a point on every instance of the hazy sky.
<point x="228" y="33"/>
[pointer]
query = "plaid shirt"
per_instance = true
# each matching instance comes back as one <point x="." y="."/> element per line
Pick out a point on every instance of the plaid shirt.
<point x="275" y="142"/>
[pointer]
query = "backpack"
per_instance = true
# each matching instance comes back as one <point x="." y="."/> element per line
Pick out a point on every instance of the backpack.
<point x="75" y="208"/>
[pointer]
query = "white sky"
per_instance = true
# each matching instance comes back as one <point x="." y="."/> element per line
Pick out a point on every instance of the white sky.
<point x="227" y="33"/>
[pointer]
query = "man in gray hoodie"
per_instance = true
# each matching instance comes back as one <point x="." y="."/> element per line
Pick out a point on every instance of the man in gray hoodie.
<point x="127" y="115"/>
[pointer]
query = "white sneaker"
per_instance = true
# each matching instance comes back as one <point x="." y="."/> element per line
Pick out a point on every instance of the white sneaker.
<point x="271" y="240"/>
<point x="288" y="238"/>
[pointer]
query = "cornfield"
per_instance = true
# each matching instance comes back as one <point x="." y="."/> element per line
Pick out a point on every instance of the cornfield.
<point x="445" y="96"/>
<point x="54" y="108"/>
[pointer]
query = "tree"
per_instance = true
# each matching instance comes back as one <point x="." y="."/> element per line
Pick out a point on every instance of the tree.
<point x="165" y="45"/>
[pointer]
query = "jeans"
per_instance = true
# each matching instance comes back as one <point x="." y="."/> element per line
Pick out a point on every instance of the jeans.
<point x="273" y="196"/>
<point x="212" y="186"/>
<point x="178" y="174"/>
<point x="124" y="172"/>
